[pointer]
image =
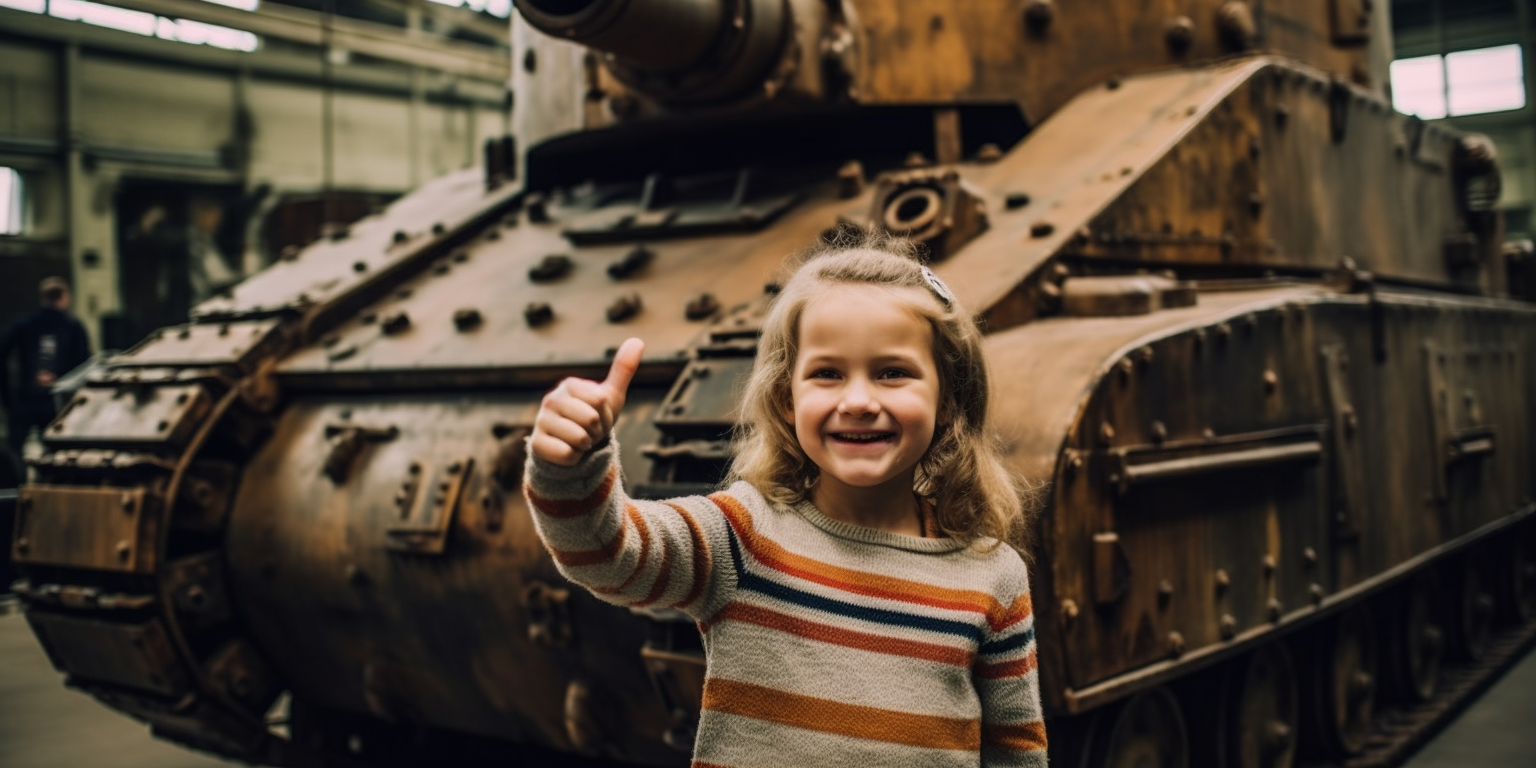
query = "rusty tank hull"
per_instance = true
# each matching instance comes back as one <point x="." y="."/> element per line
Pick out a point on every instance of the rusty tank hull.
<point x="1254" y="333"/>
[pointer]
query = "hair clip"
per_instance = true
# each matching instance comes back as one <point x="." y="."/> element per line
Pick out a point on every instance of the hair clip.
<point x="939" y="288"/>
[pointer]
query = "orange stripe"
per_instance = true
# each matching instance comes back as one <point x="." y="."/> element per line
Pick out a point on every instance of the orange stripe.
<point x="1015" y="668"/>
<point x="638" y="521"/>
<point x="1028" y="736"/>
<point x="701" y="560"/>
<point x="579" y="558"/>
<point x="1023" y="607"/>
<point x="836" y="717"/>
<point x="863" y="641"/>
<point x="663" y="575"/>
<point x="563" y="508"/>
<point x="857" y="582"/>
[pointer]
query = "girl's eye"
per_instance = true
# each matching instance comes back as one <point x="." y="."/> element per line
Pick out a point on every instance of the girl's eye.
<point x="895" y="373"/>
<point x="824" y="373"/>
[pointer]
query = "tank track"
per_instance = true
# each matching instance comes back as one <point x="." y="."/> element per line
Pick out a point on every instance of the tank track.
<point x="1401" y="731"/>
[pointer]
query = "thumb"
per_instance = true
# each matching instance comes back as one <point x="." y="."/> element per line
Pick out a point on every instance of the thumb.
<point x="625" y="362"/>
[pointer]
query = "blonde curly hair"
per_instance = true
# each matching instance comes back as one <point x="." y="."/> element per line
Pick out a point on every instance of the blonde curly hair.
<point x="962" y="474"/>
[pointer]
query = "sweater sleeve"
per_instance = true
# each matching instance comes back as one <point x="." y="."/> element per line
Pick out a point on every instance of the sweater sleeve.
<point x="639" y="554"/>
<point x="1007" y="679"/>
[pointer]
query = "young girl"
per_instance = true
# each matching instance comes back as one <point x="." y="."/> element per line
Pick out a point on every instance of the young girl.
<point x="856" y="605"/>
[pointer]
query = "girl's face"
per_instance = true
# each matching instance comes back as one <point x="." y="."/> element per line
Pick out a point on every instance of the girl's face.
<point x="865" y="387"/>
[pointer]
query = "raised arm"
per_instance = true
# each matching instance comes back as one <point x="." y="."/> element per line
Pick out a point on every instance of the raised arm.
<point x="1007" y="679"/>
<point x="642" y="554"/>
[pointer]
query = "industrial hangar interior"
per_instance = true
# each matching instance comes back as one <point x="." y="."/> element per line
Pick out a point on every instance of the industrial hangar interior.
<point x="283" y="283"/>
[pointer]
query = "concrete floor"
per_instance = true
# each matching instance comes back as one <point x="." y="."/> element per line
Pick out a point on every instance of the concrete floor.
<point x="45" y="725"/>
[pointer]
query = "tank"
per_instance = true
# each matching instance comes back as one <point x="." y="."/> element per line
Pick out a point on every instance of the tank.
<point x="1255" y="335"/>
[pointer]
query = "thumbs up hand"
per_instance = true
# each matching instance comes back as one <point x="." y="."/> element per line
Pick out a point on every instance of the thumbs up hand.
<point x="578" y="413"/>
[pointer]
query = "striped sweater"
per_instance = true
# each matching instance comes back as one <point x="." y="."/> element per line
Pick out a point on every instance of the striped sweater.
<point x="827" y="643"/>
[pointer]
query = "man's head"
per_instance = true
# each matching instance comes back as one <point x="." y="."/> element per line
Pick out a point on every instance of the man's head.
<point x="54" y="292"/>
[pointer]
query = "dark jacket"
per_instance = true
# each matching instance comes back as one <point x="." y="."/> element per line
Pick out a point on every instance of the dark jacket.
<point x="45" y="339"/>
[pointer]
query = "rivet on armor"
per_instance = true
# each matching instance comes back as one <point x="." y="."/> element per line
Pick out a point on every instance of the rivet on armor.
<point x="1164" y="591"/>
<point x="1179" y="34"/>
<point x="1016" y="200"/>
<point x="1256" y="204"/>
<point x="124" y="550"/>
<point x="1176" y="644"/>
<point x="1269" y="565"/>
<point x="23" y="545"/>
<point x="538" y="209"/>
<point x="1282" y="116"/>
<point x="1068" y="612"/>
<point x="1275" y="609"/>
<point x="1144" y="356"/>
<point x="1106" y="433"/>
<point x="1124" y="368"/>
<point x="1074" y="465"/>
<point x="1235" y="26"/>
<point x="1271" y="381"/>
<point x="467" y="319"/>
<point x="1159" y="432"/>
<point x="551" y="267"/>
<point x="989" y="153"/>
<point x="1317" y="593"/>
<point x="624" y="308"/>
<point x="538" y="313"/>
<point x="850" y="179"/>
<point x="915" y="160"/>
<point x="163" y="426"/>
<point x="1042" y="229"/>
<point x="702" y="306"/>
<point x="1351" y="421"/>
<point x="1228" y="626"/>
<point x="1310" y="555"/>
<point x="1223" y="331"/>
<point x="632" y="262"/>
<point x="438" y="228"/>
<point x="1038" y="15"/>
<point x="1222" y="580"/>
<point x="440" y="269"/>
<point x="289" y="253"/>
<point x="359" y="266"/>
<point x="530" y="61"/>
<point x="401" y="236"/>
<point x="395" y="323"/>
<point x="127" y="503"/>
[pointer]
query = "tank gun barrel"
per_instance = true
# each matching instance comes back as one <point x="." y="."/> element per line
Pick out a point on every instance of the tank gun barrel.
<point x="655" y="35"/>
<point x="675" y="50"/>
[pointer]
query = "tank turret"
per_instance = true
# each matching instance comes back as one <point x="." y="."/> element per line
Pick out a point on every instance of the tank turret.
<point x="1253" y="333"/>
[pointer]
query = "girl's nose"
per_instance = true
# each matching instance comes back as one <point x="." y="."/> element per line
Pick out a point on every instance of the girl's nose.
<point x="858" y="399"/>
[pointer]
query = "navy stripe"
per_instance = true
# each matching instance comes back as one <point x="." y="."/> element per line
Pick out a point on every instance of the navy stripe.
<point x="1010" y="644"/>
<point x="730" y="536"/>
<point x="751" y="581"/>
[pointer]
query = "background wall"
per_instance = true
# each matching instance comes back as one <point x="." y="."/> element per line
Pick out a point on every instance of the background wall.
<point x="1426" y="27"/>
<point x="150" y="166"/>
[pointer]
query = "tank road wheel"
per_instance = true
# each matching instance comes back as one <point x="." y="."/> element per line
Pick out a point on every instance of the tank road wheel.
<point x="1474" y="607"/>
<point x="1146" y="731"/>
<point x="1346" y="677"/>
<point x="1418" y="642"/>
<point x="1259" y="712"/>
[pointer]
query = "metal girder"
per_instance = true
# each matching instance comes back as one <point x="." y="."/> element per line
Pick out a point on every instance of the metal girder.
<point x="377" y="40"/>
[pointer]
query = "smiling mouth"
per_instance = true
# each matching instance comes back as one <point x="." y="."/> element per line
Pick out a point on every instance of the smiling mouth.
<point x="863" y="437"/>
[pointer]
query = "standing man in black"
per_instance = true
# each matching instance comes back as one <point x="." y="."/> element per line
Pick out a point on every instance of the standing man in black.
<point x="47" y="342"/>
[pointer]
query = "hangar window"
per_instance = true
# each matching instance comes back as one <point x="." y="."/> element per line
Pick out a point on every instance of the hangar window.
<point x="1461" y="83"/>
<point x="11" y="200"/>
